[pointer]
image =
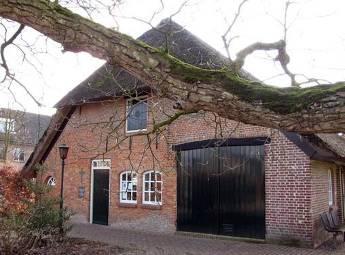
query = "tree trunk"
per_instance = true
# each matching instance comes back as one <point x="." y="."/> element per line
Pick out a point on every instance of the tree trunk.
<point x="316" y="109"/>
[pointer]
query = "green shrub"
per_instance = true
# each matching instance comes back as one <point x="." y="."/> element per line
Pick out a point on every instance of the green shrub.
<point x="29" y="215"/>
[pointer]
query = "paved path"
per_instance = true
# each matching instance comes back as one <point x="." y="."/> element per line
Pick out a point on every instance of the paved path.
<point x="164" y="244"/>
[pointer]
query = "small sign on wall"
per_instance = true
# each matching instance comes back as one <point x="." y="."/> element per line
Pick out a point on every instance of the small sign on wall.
<point x="81" y="192"/>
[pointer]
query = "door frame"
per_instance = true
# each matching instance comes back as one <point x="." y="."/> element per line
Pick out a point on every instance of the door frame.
<point x="99" y="164"/>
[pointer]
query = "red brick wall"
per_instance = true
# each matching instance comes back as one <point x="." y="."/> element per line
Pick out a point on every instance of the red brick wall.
<point x="288" y="192"/>
<point x="17" y="166"/>
<point x="90" y="136"/>
<point x="320" y="199"/>
<point x="288" y="171"/>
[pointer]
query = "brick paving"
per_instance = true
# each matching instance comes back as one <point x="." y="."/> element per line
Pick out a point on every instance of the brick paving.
<point x="166" y="244"/>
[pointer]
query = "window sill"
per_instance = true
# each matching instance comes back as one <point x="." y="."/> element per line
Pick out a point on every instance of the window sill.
<point x="152" y="207"/>
<point x="137" y="132"/>
<point x="127" y="205"/>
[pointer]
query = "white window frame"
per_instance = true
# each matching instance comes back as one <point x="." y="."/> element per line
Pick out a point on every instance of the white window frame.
<point x="9" y="125"/>
<point x="2" y="151"/>
<point x="51" y="181"/>
<point x="2" y="125"/>
<point x="149" y="191"/>
<point x="99" y="164"/>
<point x="14" y="152"/>
<point x="128" y="102"/>
<point x="126" y="190"/>
<point x="330" y="188"/>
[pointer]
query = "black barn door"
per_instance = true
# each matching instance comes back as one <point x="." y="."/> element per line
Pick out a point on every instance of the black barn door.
<point x="242" y="191"/>
<point x="221" y="191"/>
<point x="198" y="191"/>
<point x="100" y="197"/>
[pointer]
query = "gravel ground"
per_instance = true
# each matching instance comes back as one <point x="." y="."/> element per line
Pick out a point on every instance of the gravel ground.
<point x="86" y="239"/>
<point x="170" y="244"/>
<point x="73" y="246"/>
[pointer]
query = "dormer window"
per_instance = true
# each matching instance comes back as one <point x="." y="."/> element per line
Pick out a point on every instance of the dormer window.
<point x="136" y="116"/>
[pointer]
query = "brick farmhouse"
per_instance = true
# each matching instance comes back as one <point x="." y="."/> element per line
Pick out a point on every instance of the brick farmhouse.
<point x="197" y="172"/>
<point x="19" y="133"/>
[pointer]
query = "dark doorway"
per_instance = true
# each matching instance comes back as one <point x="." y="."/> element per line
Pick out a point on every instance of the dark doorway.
<point x="221" y="190"/>
<point x="100" y="196"/>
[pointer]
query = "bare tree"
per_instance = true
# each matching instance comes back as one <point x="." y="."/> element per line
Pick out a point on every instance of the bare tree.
<point x="10" y="123"/>
<point x="316" y="109"/>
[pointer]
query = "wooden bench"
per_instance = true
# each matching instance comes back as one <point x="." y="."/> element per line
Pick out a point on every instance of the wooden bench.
<point x="331" y="223"/>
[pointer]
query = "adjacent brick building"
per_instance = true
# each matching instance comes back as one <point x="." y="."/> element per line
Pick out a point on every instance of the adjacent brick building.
<point x="19" y="133"/>
<point x="127" y="170"/>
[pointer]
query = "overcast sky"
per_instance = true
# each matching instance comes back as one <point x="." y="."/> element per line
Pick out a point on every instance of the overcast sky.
<point x="315" y="43"/>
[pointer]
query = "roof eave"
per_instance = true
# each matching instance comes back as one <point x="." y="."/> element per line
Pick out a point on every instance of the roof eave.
<point x="48" y="140"/>
<point x="314" y="151"/>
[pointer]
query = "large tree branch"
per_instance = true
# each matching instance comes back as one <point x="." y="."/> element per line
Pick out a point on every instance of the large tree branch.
<point x="282" y="56"/>
<point x="316" y="109"/>
<point x="7" y="43"/>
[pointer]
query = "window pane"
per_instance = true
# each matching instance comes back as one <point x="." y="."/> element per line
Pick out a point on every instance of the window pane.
<point x="128" y="186"/>
<point x="2" y="153"/>
<point x="152" y="196"/>
<point x="2" y="126"/>
<point x="51" y="181"/>
<point x="146" y="196"/>
<point x="152" y="187"/>
<point x="21" y="156"/>
<point x="124" y="195"/>
<point x="6" y="125"/>
<point x="18" y="154"/>
<point x="137" y="116"/>
<point x="159" y="197"/>
<point x="330" y="188"/>
<point x="129" y="196"/>
<point x="158" y="186"/>
<point x="124" y="186"/>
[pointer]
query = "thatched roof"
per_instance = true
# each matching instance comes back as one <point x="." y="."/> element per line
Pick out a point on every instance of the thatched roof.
<point x="316" y="146"/>
<point x="334" y="142"/>
<point x="110" y="81"/>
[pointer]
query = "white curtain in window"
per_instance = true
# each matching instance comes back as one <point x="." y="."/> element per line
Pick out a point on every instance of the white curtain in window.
<point x="128" y="187"/>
